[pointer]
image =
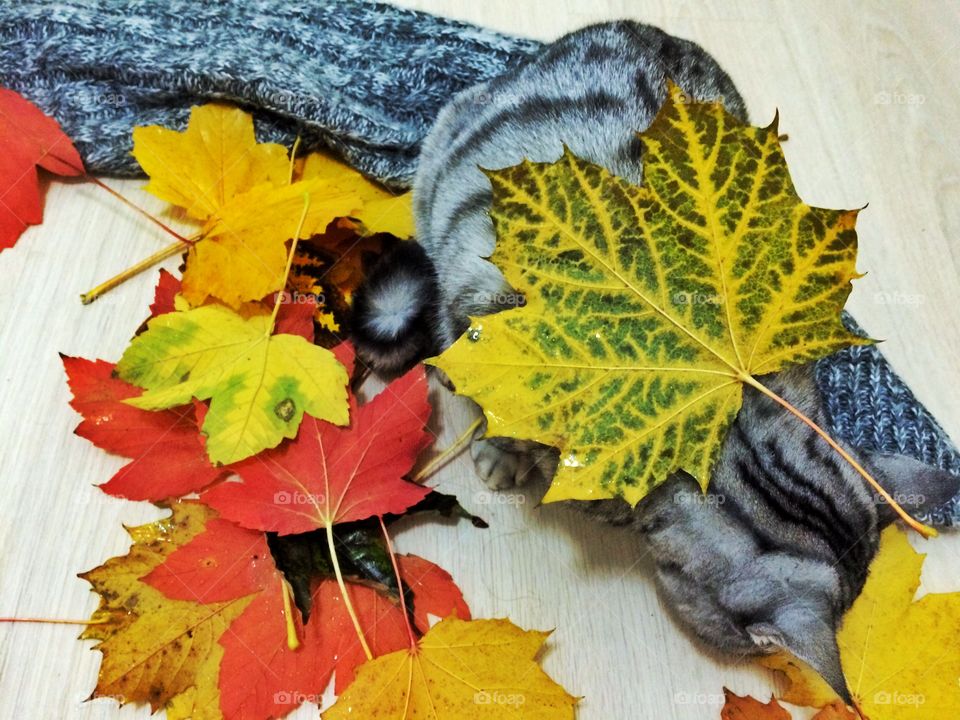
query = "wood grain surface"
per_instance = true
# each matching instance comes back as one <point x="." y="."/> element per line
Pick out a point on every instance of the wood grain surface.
<point x="867" y="92"/>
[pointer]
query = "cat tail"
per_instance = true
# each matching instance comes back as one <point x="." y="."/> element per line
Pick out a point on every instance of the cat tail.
<point x="394" y="317"/>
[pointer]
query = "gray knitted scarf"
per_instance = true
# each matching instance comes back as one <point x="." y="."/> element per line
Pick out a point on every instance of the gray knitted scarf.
<point x="363" y="78"/>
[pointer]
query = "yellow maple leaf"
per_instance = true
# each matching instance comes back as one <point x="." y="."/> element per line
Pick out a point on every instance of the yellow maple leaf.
<point x="460" y="670"/>
<point x="383" y="211"/>
<point x="155" y="649"/>
<point x="215" y="159"/>
<point x="646" y="309"/>
<point x="241" y="253"/>
<point x="259" y="384"/>
<point x="243" y="193"/>
<point x="901" y="657"/>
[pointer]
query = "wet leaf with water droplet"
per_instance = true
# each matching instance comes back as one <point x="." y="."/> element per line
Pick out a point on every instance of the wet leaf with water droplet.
<point x="647" y="308"/>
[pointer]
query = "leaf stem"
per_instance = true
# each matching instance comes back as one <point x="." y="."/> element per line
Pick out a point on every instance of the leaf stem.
<point x="166" y="228"/>
<point x="52" y="621"/>
<point x="343" y="591"/>
<point x="447" y="455"/>
<point x="148" y="262"/>
<point x="91" y="295"/>
<point x="924" y="530"/>
<point x="293" y="642"/>
<point x="293" y="157"/>
<point x="396" y="571"/>
<point x="860" y="713"/>
<point x="286" y="272"/>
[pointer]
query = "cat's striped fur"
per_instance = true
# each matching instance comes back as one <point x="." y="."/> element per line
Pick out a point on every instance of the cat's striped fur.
<point x="780" y="547"/>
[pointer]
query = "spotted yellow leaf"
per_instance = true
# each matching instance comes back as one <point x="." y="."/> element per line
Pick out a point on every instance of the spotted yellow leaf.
<point x="259" y="384"/>
<point x="647" y="308"/>
<point x="460" y="670"/>
<point x="155" y="649"/>
<point x="900" y="655"/>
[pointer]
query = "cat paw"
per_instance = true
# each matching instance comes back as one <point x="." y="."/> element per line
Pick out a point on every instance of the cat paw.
<point x="499" y="465"/>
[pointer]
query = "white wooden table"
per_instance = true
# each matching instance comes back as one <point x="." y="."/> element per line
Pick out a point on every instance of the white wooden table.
<point x="868" y="94"/>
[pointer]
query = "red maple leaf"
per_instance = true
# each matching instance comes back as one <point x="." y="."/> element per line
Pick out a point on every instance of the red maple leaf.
<point x="164" y="294"/>
<point x="260" y="676"/>
<point x="168" y="457"/>
<point x="28" y="138"/>
<point x="329" y="474"/>
<point x="296" y="318"/>
<point x="165" y="447"/>
<point x="434" y="591"/>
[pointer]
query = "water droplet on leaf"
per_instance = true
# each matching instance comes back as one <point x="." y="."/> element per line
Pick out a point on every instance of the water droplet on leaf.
<point x="571" y="460"/>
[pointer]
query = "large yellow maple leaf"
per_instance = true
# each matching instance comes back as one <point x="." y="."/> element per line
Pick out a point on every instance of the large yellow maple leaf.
<point x="901" y="657"/>
<point x="250" y="204"/>
<point x="460" y="670"/>
<point x="648" y="308"/>
<point x="155" y="649"/>
<point x="259" y="384"/>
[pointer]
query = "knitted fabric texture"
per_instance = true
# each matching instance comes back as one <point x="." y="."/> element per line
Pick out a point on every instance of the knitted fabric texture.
<point x="362" y="78"/>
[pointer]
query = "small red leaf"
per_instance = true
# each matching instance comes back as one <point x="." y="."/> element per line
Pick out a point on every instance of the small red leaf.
<point x="296" y="318"/>
<point x="164" y="294"/>
<point x="434" y="591"/>
<point x="166" y="449"/>
<point x="28" y="138"/>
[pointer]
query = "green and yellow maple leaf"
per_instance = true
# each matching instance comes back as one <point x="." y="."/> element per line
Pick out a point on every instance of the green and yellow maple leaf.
<point x="155" y="649"/>
<point x="460" y="670"/>
<point x="259" y="384"/>
<point x="648" y="308"/>
<point x="900" y="656"/>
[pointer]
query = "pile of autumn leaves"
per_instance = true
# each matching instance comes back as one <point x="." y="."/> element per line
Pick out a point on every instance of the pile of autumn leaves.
<point x="675" y="294"/>
<point x="224" y="396"/>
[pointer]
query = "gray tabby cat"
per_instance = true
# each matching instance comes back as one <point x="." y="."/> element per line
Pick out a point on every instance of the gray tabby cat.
<point x="779" y="549"/>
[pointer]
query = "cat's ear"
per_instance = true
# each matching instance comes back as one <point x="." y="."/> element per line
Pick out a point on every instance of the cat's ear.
<point x="917" y="487"/>
<point x="802" y="632"/>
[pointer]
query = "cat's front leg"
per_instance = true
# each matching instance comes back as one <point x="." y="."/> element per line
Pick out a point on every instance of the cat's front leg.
<point x="504" y="463"/>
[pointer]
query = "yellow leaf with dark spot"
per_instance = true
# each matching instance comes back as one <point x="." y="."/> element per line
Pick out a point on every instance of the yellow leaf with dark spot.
<point x="647" y="308"/>
<point x="259" y="384"/>
<point x="460" y="670"/>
